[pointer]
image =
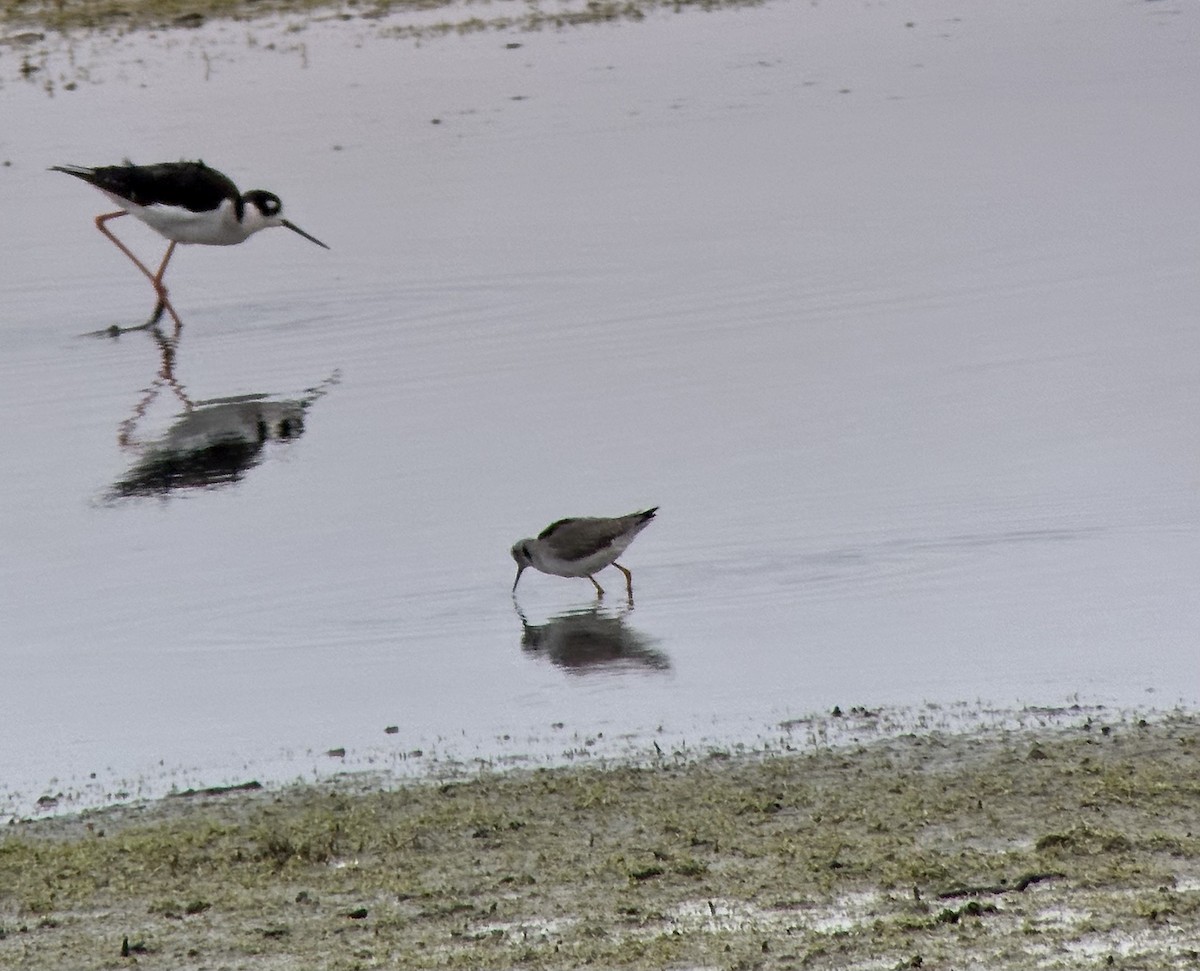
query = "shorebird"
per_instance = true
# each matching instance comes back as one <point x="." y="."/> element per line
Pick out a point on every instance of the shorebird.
<point x="185" y="202"/>
<point x="581" y="547"/>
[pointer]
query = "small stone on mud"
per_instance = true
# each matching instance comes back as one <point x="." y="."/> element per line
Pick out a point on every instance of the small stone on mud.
<point x="127" y="949"/>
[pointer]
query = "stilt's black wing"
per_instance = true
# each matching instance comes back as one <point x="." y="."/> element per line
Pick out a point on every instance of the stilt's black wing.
<point x="189" y="185"/>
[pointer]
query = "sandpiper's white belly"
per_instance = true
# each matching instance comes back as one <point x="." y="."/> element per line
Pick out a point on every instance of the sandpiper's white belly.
<point x="583" y="567"/>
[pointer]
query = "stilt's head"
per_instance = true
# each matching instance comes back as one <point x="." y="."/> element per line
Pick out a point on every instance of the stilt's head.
<point x="263" y="210"/>
<point x="520" y="553"/>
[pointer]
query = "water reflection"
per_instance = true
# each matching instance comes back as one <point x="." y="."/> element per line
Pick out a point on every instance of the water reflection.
<point x="591" y="639"/>
<point x="209" y="443"/>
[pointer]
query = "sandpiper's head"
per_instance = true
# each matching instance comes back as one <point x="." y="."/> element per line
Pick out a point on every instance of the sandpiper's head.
<point x="520" y="553"/>
<point x="262" y="210"/>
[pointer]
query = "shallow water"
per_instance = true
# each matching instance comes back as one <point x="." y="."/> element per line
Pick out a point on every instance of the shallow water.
<point x="893" y="316"/>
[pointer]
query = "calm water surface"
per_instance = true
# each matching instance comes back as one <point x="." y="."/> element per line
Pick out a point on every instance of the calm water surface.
<point x="896" y="324"/>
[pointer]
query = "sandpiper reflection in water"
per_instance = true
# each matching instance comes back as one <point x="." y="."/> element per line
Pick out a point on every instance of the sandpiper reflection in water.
<point x="211" y="442"/>
<point x="591" y="639"/>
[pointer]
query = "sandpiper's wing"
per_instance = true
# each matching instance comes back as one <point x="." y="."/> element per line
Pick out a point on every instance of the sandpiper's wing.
<point x="577" y="539"/>
<point x="188" y="185"/>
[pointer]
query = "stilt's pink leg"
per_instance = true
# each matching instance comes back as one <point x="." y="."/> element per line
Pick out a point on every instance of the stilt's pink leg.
<point x="155" y="279"/>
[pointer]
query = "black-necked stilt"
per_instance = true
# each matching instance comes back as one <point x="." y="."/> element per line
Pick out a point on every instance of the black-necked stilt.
<point x="581" y="547"/>
<point x="186" y="202"/>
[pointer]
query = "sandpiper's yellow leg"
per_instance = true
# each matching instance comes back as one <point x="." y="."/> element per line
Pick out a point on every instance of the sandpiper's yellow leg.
<point x="628" y="579"/>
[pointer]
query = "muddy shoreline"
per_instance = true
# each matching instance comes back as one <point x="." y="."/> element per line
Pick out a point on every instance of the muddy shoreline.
<point x="1059" y="847"/>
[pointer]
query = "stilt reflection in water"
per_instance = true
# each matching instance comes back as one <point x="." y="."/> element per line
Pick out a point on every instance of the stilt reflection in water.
<point x="211" y="442"/>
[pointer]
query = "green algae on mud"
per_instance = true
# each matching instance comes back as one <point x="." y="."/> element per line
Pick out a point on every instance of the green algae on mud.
<point x="1040" y="849"/>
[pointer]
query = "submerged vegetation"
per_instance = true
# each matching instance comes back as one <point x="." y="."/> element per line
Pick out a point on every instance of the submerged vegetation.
<point x="425" y="17"/>
<point x="61" y="44"/>
<point x="1064" y="848"/>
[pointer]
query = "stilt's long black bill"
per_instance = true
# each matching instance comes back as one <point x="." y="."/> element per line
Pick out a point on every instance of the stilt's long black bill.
<point x="296" y="229"/>
<point x="520" y="570"/>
